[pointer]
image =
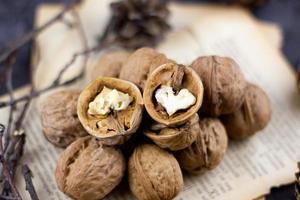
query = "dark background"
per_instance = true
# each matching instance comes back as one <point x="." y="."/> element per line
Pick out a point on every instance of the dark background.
<point x="16" y="18"/>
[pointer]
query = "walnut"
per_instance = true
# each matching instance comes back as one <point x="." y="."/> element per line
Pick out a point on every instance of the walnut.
<point x="116" y="126"/>
<point x="208" y="150"/>
<point x="141" y="63"/>
<point x="59" y="118"/>
<point x="109" y="64"/>
<point x="89" y="170"/>
<point x="182" y="80"/>
<point x="253" y="115"/>
<point x="154" y="174"/>
<point x="175" y="138"/>
<point x="223" y="82"/>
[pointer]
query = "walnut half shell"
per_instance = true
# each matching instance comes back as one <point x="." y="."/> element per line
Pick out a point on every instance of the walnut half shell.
<point x="60" y="123"/>
<point x="175" y="138"/>
<point x="208" y="150"/>
<point x="179" y="77"/>
<point x="154" y="174"/>
<point x="116" y="127"/>
<point x="88" y="170"/>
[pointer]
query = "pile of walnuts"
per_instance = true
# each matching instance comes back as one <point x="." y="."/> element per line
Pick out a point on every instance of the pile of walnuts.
<point x="144" y="141"/>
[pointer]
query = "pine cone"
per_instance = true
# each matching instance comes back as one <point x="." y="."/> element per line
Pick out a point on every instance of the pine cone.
<point x="137" y="23"/>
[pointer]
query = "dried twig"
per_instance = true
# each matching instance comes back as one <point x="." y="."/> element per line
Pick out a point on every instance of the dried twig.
<point x="6" y="170"/>
<point x="29" y="185"/>
<point x="9" y="68"/>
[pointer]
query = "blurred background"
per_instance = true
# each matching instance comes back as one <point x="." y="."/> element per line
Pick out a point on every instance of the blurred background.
<point x="17" y="17"/>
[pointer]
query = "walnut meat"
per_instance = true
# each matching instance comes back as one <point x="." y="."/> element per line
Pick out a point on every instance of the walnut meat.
<point x="224" y="84"/>
<point x="60" y="123"/>
<point x="253" y="115"/>
<point x="175" y="138"/>
<point x="154" y="174"/>
<point x="109" y="64"/>
<point x="140" y="64"/>
<point x="118" y="125"/>
<point x="177" y="86"/>
<point x="88" y="170"/>
<point x="208" y="150"/>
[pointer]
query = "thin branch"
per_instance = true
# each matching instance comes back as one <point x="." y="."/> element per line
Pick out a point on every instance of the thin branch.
<point x="55" y="84"/>
<point x="6" y="171"/>
<point x="29" y="185"/>
<point x="32" y="34"/>
<point x="9" y="68"/>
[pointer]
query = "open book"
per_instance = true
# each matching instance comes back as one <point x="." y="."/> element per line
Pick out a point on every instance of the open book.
<point x="250" y="168"/>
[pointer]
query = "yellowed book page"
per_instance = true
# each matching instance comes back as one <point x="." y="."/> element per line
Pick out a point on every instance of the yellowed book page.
<point x="250" y="168"/>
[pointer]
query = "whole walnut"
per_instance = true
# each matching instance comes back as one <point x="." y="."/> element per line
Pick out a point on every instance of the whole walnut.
<point x="140" y="64"/>
<point x="224" y="84"/>
<point x="185" y="85"/>
<point x="60" y="123"/>
<point x="154" y="174"/>
<point x="88" y="170"/>
<point x="253" y="115"/>
<point x="175" y="138"/>
<point x="109" y="64"/>
<point x="116" y="127"/>
<point x="208" y="150"/>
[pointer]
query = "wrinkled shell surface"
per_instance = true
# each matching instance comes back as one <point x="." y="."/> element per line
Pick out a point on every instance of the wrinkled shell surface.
<point x="140" y="64"/>
<point x="176" y="138"/>
<point x="208" y="150"/>
<point x="115" y="128"/>
<point x="61" y="125"/>
<point x="253" y="116"/>
<point x="88" y="170"/>
<point x="109" y="64"/>
<point x="154" y="174"/>
<point x="223" y="82"/>
<point x="161" y="76"/>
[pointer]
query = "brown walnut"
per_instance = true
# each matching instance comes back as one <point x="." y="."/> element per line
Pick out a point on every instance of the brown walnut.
<point x="208" y="150"/>
<point x="154" y="174"/>
<point x="88" y="170"/>
<point x="116" y="127"/>
<point x="178" y="77"/>
<point x="140" y="64"/>
<point x="109" y="65"/>
<point x="60" y="123"/>
<point x="224" y="84"/>
<point x="175" y="138"/>
<point x="253" y="115"/>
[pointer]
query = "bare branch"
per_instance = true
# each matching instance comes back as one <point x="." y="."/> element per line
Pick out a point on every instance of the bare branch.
<point x="29" y="185"/>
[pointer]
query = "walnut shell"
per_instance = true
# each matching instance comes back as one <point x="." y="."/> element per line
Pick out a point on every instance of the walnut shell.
<point x="88" y="170"/>
<point x="59" y="118"/>
<point x="162" y="76"/>
<point x="176" y="138"/>
<point x="154" y="174"/>
<point x="140" y="64"/>
<point x="114" y="128"/>
<point x="109" y="64"/>
<point x="253" y="115"/>
<point x="224" y="84"/>
<point x="208" y="150"/>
